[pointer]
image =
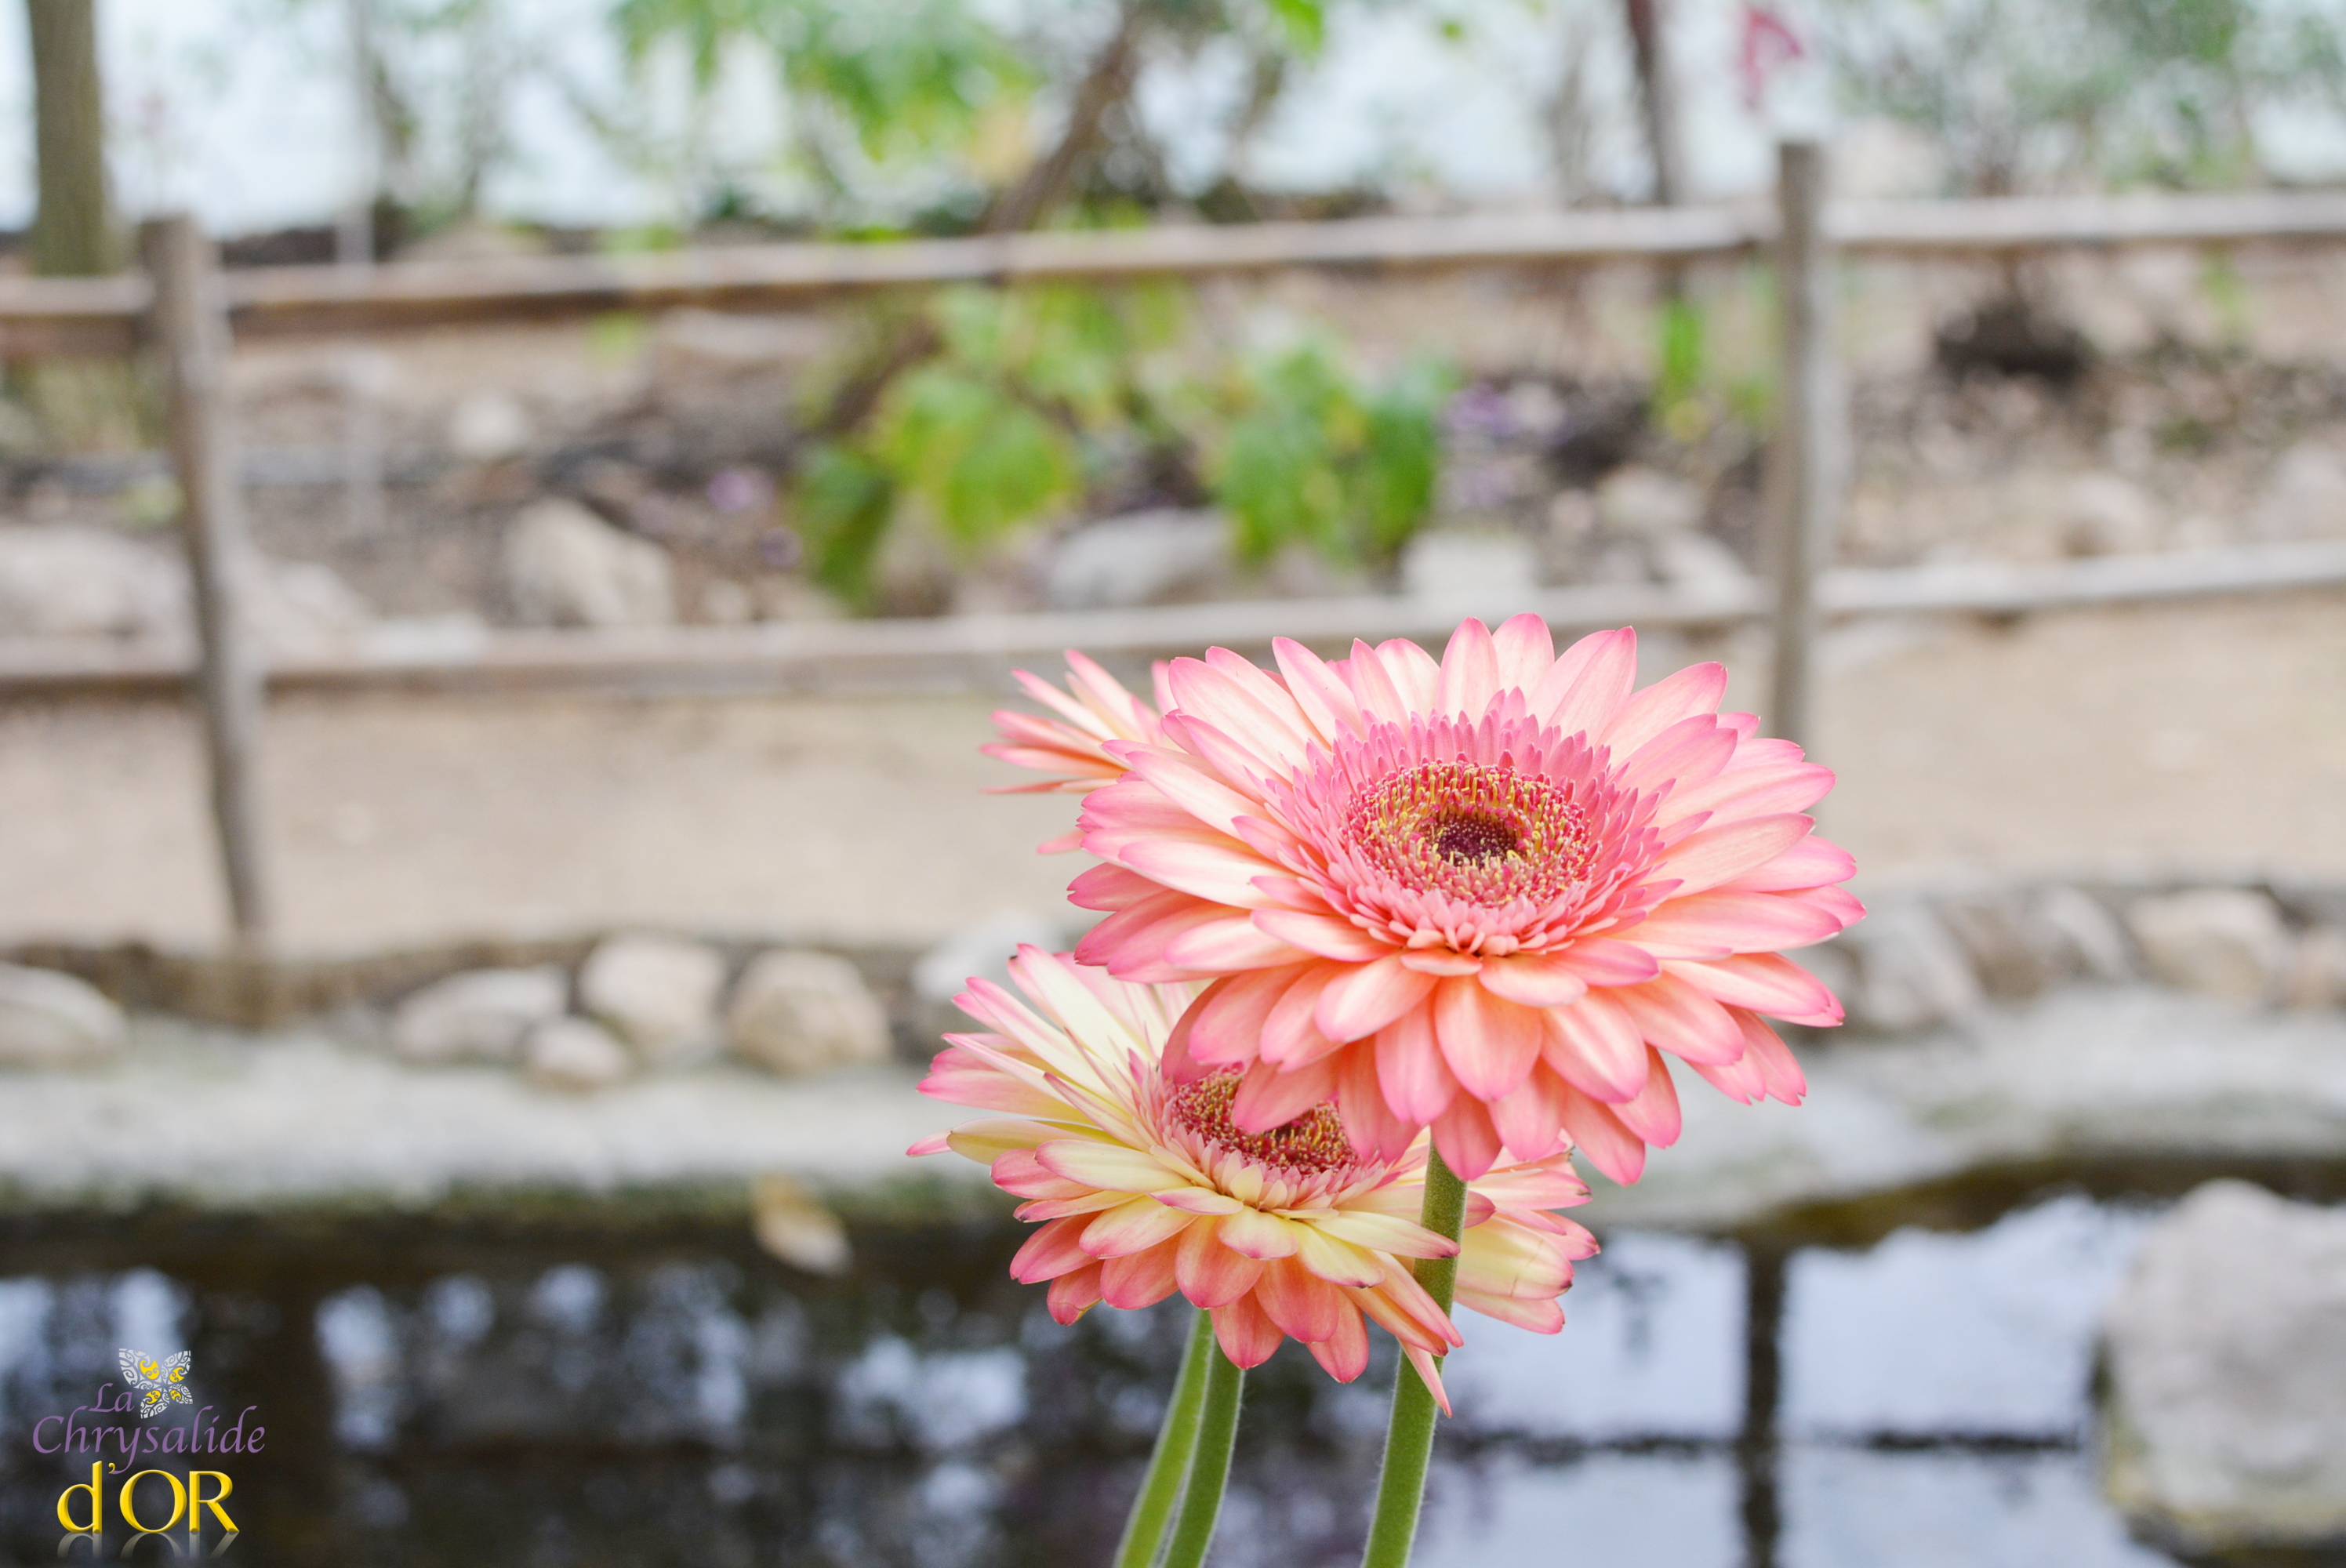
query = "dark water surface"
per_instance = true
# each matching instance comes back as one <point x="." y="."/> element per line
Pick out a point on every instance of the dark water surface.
<point x="1852" y="1390"/>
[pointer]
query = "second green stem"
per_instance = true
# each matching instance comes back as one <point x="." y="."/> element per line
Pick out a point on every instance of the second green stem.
<point x="1408" y="1441"/>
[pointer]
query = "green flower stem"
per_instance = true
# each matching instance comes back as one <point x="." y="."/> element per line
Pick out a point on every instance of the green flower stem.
<point x="1408" y="1441"/>
<point x="1168" y="1462"/>
<point x="1209" y="1471"/>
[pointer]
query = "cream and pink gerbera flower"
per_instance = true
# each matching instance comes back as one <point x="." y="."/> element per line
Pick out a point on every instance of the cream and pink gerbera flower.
<point x="1480" y="895"/>
<point x="1145" y="1187"/>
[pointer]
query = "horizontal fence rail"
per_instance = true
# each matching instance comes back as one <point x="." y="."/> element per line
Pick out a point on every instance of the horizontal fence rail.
<point x="46" y="316"/>
<point x="976" y="650"/>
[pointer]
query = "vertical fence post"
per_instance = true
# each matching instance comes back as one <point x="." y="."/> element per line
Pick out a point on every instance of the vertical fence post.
<point x="187" y="327"/>
<point x="1805" y="469"/>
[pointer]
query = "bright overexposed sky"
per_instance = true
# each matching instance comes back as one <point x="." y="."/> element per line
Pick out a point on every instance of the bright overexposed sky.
<point x="241" y="109"/>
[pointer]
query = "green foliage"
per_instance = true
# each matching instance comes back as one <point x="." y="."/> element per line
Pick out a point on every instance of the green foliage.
<point x="1314" y="456"/>
<point x="996" y="430"/>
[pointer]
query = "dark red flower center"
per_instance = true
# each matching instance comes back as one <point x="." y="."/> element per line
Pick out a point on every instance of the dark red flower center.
<point x="1311" y="1144"/>
<point x="1482" y="832"/>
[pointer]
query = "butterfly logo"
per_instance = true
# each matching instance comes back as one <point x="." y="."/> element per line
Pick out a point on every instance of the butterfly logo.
<point x="163" y="1380"/>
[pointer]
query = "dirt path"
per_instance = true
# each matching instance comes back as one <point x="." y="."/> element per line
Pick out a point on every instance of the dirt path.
<point x="2203" y="737"/>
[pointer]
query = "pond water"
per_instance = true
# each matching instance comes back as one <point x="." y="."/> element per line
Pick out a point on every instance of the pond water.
<point x="1849" y="1391"/>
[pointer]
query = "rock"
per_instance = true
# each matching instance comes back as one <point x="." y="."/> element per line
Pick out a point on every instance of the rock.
<point x="2227" y="942"/>
<point x="2225" y="1420"/>
<point x="565" y="567"/>
<point x="1142" y="558"/>
<point x="2089" y="930"/>
<point x="1639" y="504"/>
<point x="301" y="606"/>
<point x="2317" y="969"/>
<point x="727" y="603"/>
<point x="1910" y="971"/>
<point x="803" y="1012"/>
<point x="2306" y="497"/>
<point x="489" y="427"/>
<point x="1445" y="564"/>
<point x="1698" y="561"/>
<point x="658" y="994"/>
<point x="2103" y="514"/>
<point x="60" y="580"/>
<point x="2019" y="943"/>
<point x="795" y="1225"/>
<point x="478" y="1016"/>
<point x="51" y="1020"/>
<point x="574" y="1053"/>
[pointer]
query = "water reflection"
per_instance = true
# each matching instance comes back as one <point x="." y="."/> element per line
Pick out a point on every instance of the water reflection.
<point x="576" y="1399"/>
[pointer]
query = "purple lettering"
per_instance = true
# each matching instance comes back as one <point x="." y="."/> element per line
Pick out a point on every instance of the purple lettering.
<point x="252" y="1440"/>
<point x="37" y="1425"/>
<point x="178" y="1447"/>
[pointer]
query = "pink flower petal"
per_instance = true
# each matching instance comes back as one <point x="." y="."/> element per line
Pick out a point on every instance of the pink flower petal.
<point x="1335" y="1260"/>
<point x="1595" y="1046"/>
<point x="1716" y="923"/>
<point x="1750" y="792"/>
<point x="1197" y="1200"/>
<point x="1223" y="871"/>
<point x="1369" y="1123"/>
<point x="1211" y="1274"/>
<point x="1693" y="690"/>
<point x="1541" y="1317"/>
<point x="1289" y="1035"/>
<point x="1535" y="980"/>
<point x="1138" y="1279"/>
<point x="1246" y="1332"/>
<point x="1524" y="652"/>
<point x="1811" y="863"/>
<point x="1270" y="1097"/>
<point x="1681" y="1020"/>
<point x="1605" y="960"/>
<point x="1110" y="1168"/>
<point x="1597" y="1133"/>
<point x="1131" y="1226"/>
<point x="1414" y="674"/>
<point x="1365" y="998"/>
<point x="1465" y="1135"/>
<point x="1051" y="1251"/>
<point x="1489" y="1042"/>
<point x="1765" y="982"/>
<point x="1589" y="683"/>
<point x="1386" y="1233"/>
<point x="1685" y="754"/>
<point x="1243" y="711"/>
<point x="1110" y="887"/>
<point x="1343" y="1355"/>
<point x="1318" y="690"/>
<point x="1470" y="672"/>
<point x="1072" y="1295"/>
<point x="1416" y="1081"/>
<point x="1326" y="935"/>
<point x="1653" y="1114"/>
<point x="1741" y="1080"/>
<point x="1306" y="1307"/>
<point x="1209" y="799"/>
<point x="1437" y="961"/>
<point x="1530" y="1121"/>
<point x="1778" y="1070"/>
<point x="1227" y="1019"/>
<point x="1710" y="856"/>
<point x="1372" y="687"/>
<point x="1254" y="1233"/>
<point x="1224" y="944"/>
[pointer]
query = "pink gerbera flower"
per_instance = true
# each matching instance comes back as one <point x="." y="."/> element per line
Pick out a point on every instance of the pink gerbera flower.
<point x="1095" y="711"/>
<point x="1482" y="895"/>
<point x="1147" y="1187"/>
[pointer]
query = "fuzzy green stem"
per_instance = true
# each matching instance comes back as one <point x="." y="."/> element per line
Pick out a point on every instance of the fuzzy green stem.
<point x="1408" y="1441"/>
<point x="1168" y="1462"/>
<point x="1210" y="1471"/>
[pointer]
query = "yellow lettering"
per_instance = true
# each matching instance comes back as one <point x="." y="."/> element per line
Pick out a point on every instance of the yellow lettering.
<point x="179" y="1501"/>
<point x="197" y="1501"/>
<point x="97" y="1501"/>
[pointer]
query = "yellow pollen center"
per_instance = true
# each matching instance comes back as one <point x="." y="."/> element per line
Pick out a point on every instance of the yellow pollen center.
<point x="1482" y="832"/>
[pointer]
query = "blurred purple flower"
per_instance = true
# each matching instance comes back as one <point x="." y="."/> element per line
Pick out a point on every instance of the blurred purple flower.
<point x="1480" y="410"/>
<point x="779" y="548"/>
<point x="740" y="489"/>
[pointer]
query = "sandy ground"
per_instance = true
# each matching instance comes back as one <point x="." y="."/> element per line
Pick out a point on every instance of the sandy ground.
<point x="2206" y="737"/>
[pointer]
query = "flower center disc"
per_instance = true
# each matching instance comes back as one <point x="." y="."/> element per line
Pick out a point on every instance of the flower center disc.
<point x="1486" y="834"/>
<point x="1311" y="1144"/>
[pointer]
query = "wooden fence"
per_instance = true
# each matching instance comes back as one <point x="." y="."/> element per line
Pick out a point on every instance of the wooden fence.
<point x="186" y="309"/>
